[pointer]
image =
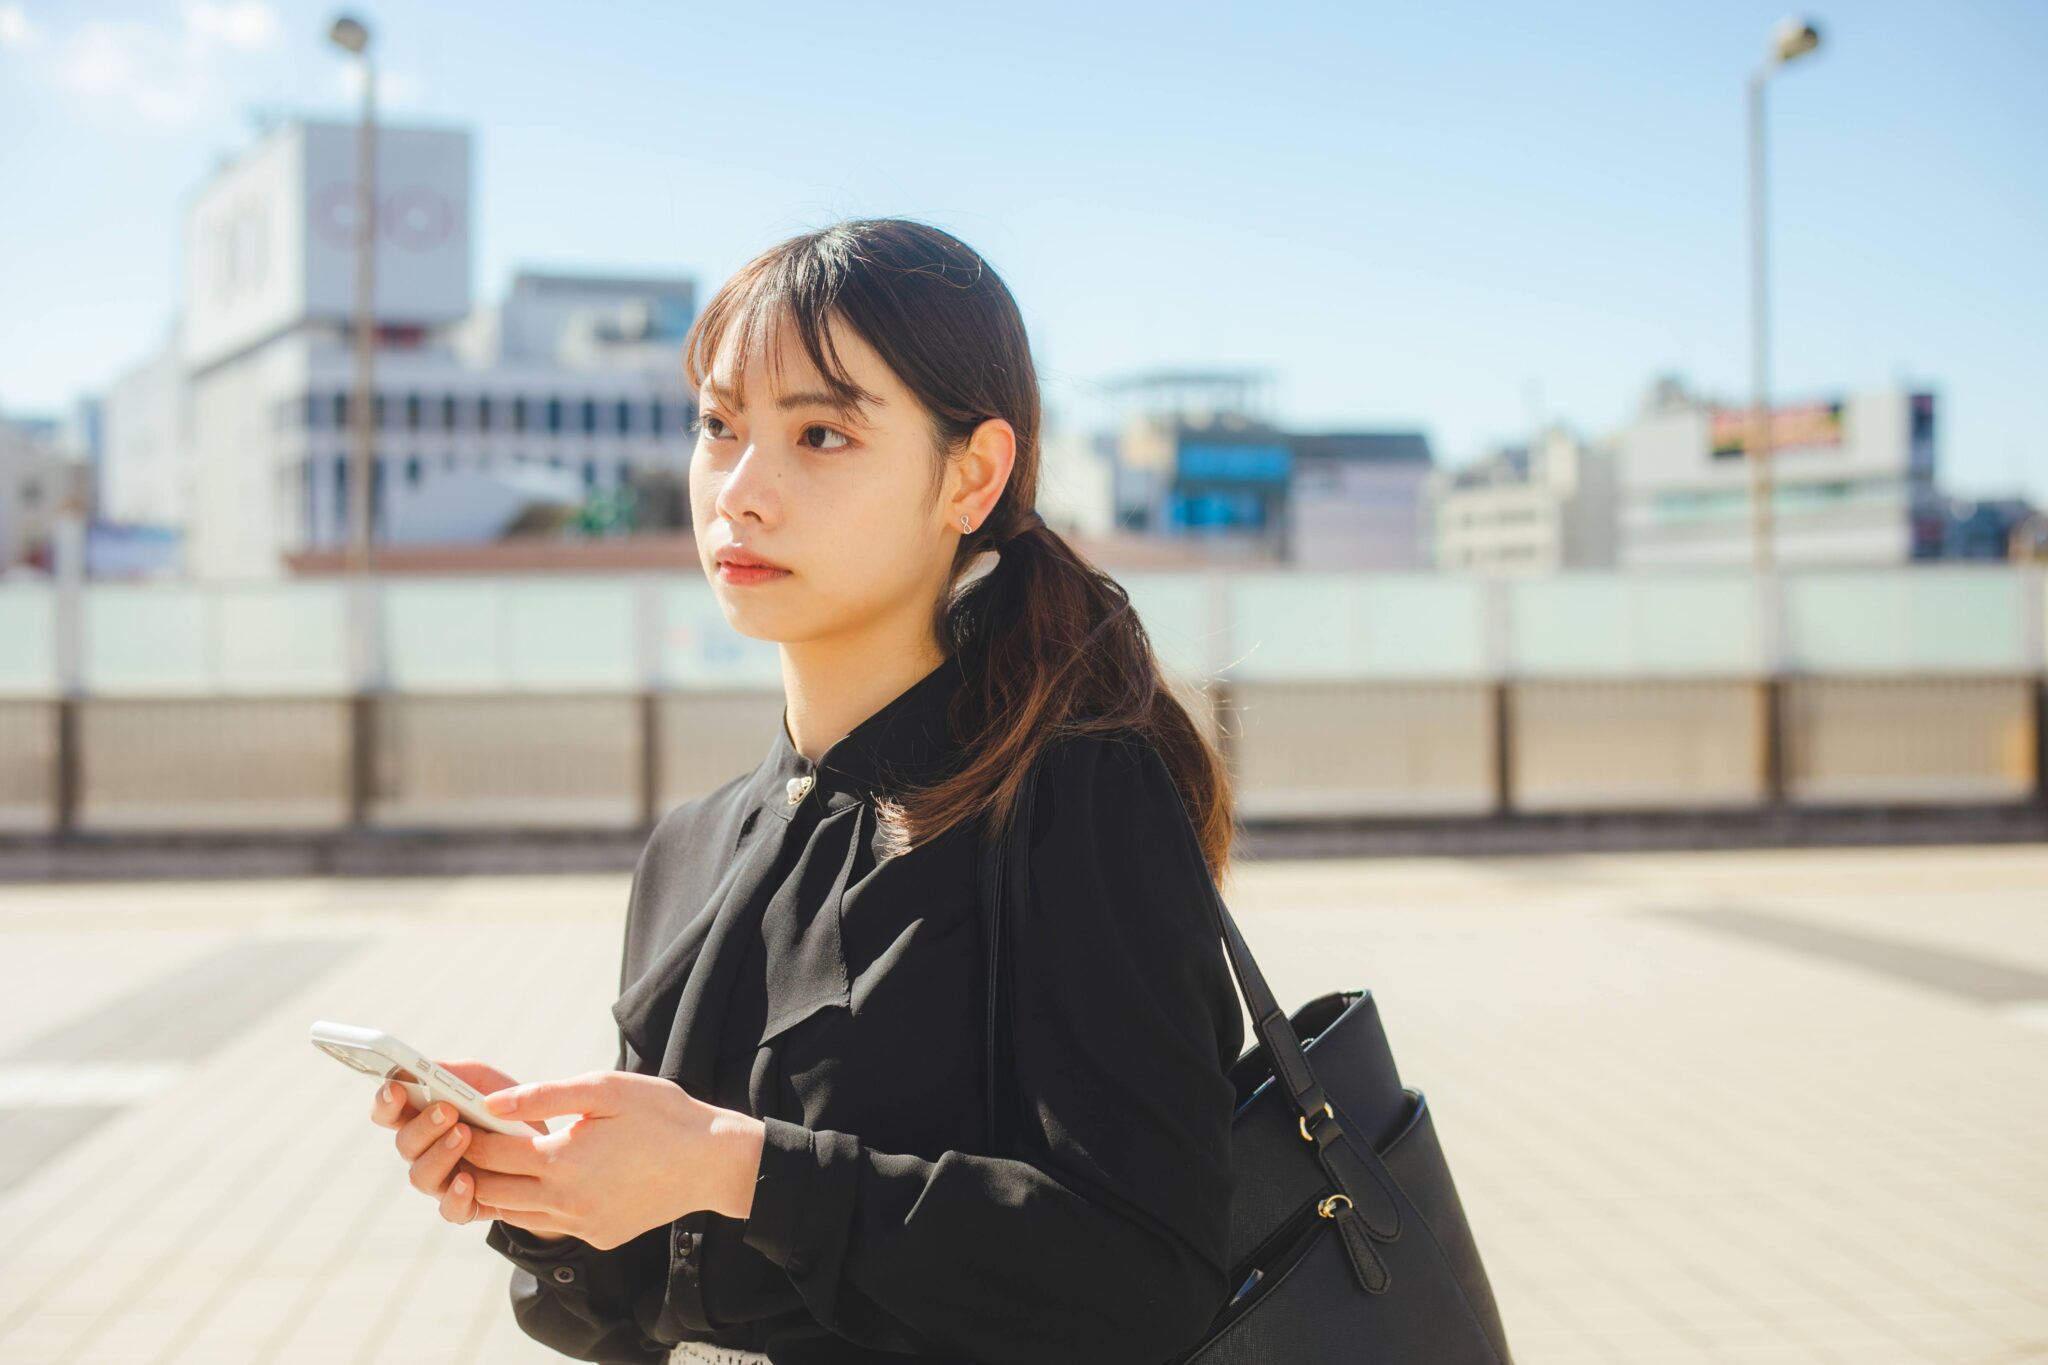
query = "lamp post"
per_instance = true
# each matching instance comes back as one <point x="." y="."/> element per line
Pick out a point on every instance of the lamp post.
<point x="351" y="35"/>
<point x="1793" y="39"/>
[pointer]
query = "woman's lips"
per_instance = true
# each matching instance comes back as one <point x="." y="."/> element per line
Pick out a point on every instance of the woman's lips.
<point x="729" y="572"/>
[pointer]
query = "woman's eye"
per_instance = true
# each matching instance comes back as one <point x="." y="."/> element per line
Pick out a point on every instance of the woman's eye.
<point x="704" y="423"/>
<point x="829" y="432"/>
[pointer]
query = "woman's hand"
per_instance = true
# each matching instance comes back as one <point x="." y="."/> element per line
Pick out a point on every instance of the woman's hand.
<point x="423" y="1140"/>
<point x="643" y="1152"/>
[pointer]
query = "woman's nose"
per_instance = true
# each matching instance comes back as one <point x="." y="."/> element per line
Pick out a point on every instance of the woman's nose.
<point x="749" y="491"/>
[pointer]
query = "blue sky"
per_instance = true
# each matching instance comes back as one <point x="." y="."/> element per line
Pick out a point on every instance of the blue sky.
<point x="1457" y="216"/>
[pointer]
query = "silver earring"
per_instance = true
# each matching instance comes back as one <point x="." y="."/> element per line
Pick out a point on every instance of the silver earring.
<point x="963" y="524"/>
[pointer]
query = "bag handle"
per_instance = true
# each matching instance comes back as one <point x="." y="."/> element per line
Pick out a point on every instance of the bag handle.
<point x="1005" y="873"/>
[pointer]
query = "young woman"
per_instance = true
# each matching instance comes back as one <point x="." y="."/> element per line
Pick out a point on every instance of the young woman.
<point x="789" y="1162"/>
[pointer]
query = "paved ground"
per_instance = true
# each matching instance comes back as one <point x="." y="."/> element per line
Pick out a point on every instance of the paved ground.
<point x="1702" y="1107"/>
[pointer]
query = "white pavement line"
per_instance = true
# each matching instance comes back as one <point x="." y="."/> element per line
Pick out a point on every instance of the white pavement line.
<point x="48" y="1085"/>
<point x="2033" y="1013"/>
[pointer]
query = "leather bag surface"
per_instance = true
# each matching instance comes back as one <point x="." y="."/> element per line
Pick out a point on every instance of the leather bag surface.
<point x="1348" y="1241"/>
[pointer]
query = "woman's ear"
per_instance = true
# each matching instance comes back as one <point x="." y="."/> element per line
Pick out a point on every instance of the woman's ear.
<point x="983" y="471"/>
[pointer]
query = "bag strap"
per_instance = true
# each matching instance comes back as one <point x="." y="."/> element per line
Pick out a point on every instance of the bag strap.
<point x="1005" y="868"/>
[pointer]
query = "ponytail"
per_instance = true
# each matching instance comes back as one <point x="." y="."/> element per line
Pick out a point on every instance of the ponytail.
<point x="1053" y="648"/>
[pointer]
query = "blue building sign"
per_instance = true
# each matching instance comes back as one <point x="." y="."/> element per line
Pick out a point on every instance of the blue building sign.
<point x="1209" y="509"/>
<point x="1235" y="464"/>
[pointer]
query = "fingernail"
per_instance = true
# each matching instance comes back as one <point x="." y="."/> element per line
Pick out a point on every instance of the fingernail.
<point x="462" y="1184"/>
<point x="440" y="1113"/>
<point x="454" y="1138"/>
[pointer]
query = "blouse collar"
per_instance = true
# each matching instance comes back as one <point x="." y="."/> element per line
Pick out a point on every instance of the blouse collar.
<point x="902" y="744"/>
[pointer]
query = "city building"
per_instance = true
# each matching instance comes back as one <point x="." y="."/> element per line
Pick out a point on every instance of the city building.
<point x="1852" y="481"/>
<point x="237" y="430"/>
<point x="1198" y="457"/>
<point x="1534" y="508"/>
<point x="1983" y="528"/>
<point x="40" y="476"/>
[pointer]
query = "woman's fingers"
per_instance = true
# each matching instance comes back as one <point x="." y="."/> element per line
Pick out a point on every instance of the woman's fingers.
<point x="502" y="1152"/>
<point x="429" y="1173"/>
<point x="390" y="1108"/>
<point x="422" y="1131"/>
<point x="459" y="1202"/>
<point x="518" y="1195"/>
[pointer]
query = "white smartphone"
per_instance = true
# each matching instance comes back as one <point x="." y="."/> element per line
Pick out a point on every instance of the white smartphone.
<point x="377" y="1053"/>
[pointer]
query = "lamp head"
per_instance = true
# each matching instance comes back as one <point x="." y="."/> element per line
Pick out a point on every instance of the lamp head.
<point x="1792" y="39"/>
<point x="349" y="32"/>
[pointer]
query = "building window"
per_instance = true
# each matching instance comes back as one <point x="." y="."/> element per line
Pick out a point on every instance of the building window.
<point x="625" y="416"/>
<point x="555" y="415"/>
<point x="483" y="412"/>
<point x="377" y="412"/>
<point x="315" y="410"/>
<point x="625" y="474"/>
<point x="657" y="412"/>
<point x="448" y="412"/>
<point x="590" y="473"/>
<point x="519" y="413"/>
<point x="589" y="415"/>
<point x="412" y="471"/>
<point x="554" y="462"/>
<point x="412" y="412"/>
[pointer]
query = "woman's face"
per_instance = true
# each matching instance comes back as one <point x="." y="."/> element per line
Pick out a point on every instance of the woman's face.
<point x="842" y="502"/>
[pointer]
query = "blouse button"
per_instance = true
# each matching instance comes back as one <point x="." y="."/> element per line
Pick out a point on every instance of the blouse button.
<point x="799" y="787"/>
<point x="564" y="1274"/>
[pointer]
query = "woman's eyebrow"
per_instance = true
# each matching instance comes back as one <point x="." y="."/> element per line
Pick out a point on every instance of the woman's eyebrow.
<point x="805" y="398"/>
<point x="814" y="398"/>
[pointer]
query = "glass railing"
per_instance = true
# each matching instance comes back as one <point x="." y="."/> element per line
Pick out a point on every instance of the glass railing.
<point x="627" y="633"/>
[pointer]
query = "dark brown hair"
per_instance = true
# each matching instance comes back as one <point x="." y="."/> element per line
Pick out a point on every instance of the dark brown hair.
<point x="1050" y="644"/>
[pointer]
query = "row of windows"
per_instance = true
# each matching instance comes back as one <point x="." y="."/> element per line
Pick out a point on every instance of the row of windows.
<point x="494" y="412"/>
<point x="416" y="466"/>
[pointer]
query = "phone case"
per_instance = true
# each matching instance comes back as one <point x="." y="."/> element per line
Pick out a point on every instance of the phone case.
<point x="378" y="1054"/>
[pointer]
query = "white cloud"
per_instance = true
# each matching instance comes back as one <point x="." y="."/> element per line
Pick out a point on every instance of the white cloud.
<point x="249" y="25"/>
<point x="18" y="33"/>
<point x="166" y="73"/>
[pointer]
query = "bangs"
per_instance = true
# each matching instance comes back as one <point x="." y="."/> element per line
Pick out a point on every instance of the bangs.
<point x="789" y="284"/>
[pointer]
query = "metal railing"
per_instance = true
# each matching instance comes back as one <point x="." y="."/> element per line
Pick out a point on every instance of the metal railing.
<point x="598" y="703"/>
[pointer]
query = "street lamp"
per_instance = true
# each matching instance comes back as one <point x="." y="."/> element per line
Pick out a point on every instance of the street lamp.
<point x="353" y="36"/>
<point x="1792" y="39"/>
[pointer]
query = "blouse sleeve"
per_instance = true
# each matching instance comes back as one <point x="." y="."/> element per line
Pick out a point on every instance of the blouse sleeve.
<point x="567" y="1294"/>
<point x="1107" y="1239"/>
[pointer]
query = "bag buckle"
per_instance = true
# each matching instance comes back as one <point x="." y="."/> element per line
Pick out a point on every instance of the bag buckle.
<point x="1304" y="1121"/>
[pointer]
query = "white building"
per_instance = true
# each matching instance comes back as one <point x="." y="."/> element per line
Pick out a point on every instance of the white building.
<point x="1356" y="500"/>
<point x="1853" y="481"/>
<point x="238" y="430"/>
<point x="39" y="477"/>
<point x="1527" y="509"/>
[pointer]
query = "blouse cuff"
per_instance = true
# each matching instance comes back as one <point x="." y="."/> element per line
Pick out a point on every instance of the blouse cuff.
<point x="785" y="1196"/>
<point x="522" y="1248"/>
<point x="803" y="1195"/>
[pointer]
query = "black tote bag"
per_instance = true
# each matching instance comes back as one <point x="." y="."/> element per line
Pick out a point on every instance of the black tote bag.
<point x="1348" y="1241"/>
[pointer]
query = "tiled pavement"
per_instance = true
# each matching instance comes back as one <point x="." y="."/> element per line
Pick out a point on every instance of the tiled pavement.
<point x="1702" y="1107"/>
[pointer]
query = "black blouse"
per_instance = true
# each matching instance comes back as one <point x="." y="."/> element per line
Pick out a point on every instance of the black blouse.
<point x="774" y="964"/>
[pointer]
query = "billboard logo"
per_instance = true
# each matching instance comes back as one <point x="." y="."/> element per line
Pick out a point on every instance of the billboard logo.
<point x="1805" y="426"/>
<point x="411" y="216"/>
